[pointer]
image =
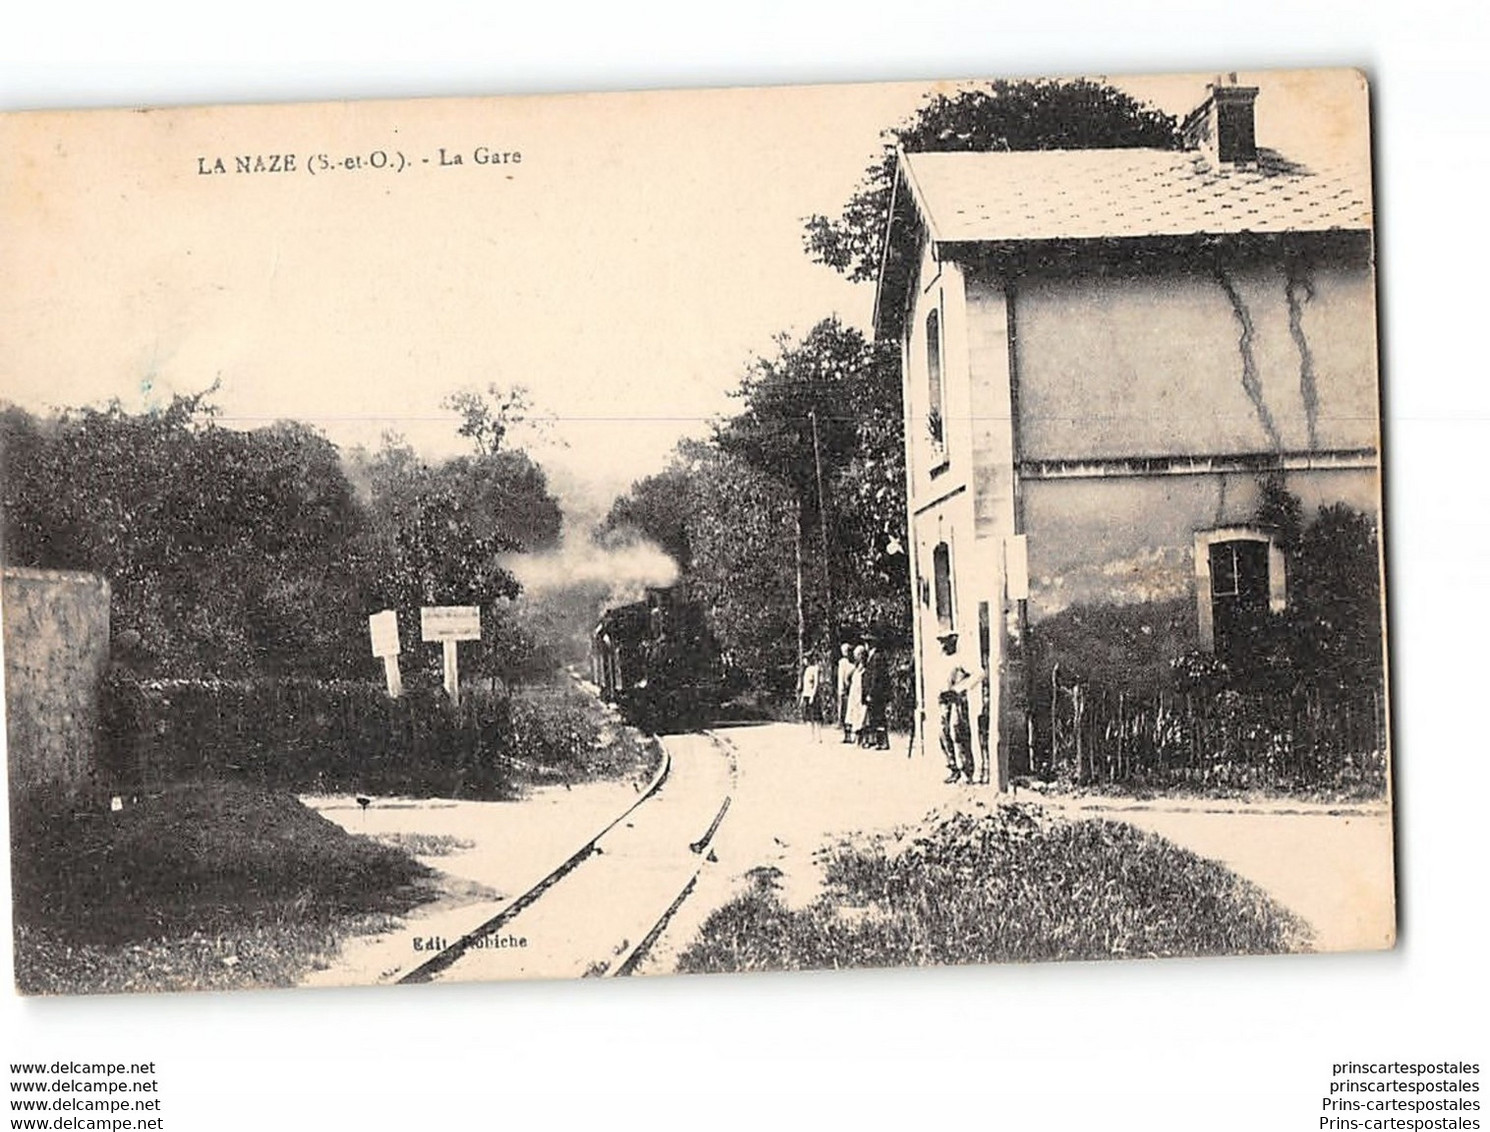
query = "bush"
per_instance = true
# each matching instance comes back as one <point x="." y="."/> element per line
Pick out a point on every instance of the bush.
<point x="553" y="726"/>
<point x="1121" y="646"/>
<point x="202" y="886"/>
<point x="1295" y="700"/>
<point x="342" y="736"/>
<point x="1014" y="885"/>
<point x="195" y="857"/>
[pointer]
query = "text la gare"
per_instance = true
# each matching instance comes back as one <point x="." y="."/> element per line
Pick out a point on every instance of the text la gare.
<point x="482" y="155"/>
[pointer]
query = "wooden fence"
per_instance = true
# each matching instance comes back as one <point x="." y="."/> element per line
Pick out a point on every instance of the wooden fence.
<point x="1304" y="739"/>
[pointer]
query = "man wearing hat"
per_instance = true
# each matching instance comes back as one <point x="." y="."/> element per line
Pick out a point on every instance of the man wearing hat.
<point x="957" y="730"/>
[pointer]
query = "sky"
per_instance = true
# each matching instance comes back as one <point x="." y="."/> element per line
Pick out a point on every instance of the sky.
<point x="626" y="269"/>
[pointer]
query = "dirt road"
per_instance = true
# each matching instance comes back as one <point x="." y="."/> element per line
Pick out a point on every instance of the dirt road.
<point x="790" y="797"/>
<point x="1331" y="866"/>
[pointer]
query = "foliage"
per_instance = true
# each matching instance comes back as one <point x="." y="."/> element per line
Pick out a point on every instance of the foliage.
<point x="822" y="417"/>
<point x="734" y="510"/>
<point x="323" y="736"/>
<point x="234" y="554"/>
<point x="437" y="535"/>
<point x="1002" y="115"/>
<point x="340" y="736"/>
<point x="426" y="844"/>
<point x="227" y="552"/>
<point x="1330" y="634"/>
<point x="170" y="863"/>
<point x="1009" y="886"/>
<point x="1207" y="736"/>
<point x="208" y="885"/>
<point x="730" y="528"/>
<point x="1125" y="647"/>
<point x="742" y="568"/>
<point x="1279" y="510"/>
<point x="553" y="731"/>
<point x="488" y="417"/>
<point x="275" y="947"/>
<point x="1293" y="702"/>
<point x="657" y="508"/>
<point x="1336" y="609"/>
<point x="831" y="401"/>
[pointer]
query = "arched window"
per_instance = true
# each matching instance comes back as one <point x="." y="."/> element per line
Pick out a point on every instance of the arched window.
<point x="936" y="418"/>
<point x="941" y="564"/>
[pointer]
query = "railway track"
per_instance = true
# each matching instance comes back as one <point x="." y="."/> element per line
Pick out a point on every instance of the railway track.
<point x="599" y="911"/>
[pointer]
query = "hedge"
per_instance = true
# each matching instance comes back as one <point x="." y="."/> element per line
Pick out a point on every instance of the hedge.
<point x="339" y="736"/>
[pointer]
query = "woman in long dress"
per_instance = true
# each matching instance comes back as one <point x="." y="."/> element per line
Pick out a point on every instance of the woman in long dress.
<point x="857" y="707"/>
<point x="844" y="675"/>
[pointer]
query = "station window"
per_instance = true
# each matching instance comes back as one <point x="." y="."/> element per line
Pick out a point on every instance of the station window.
<point x="941" y="562"/>
<point x="936" y="416"/>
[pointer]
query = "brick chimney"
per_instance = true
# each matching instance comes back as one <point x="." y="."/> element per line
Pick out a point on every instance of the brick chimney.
<point x="1223" y="127"/>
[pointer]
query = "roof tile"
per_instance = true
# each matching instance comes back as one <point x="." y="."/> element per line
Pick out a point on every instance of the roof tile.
<point x="1101" y="193"/>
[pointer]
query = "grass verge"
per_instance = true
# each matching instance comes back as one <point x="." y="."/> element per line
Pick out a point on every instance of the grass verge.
<point x="208" y="885"/>
<point x="425" y="844"/>
<point x="1014" y="885"/>
<point x="1345" y="794"/>
<point x="563" y="734"/>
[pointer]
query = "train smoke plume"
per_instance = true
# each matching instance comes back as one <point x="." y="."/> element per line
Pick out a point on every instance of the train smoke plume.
<point x="581" y="563"/>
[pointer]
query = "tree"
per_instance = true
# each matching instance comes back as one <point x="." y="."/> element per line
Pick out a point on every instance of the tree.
<point x="441" y="532"/>
<point x="1329" y="634"/>
<point x="740" y="528"/>
<point x="1002" y="115"/>
<point x="869" y="514"/>
<point x="823" y="418"/>
<point x="657" y="508"/>
<point x="488" y="417"/>
<point x="236" y="553"/>
<point x="432" y="542"/>
<point x="227" y="552"/>
<point x="790" y="520"/>
<point x="795" y="513"/>
<point x="506" y="498"/>
<point x="292" y="570"/>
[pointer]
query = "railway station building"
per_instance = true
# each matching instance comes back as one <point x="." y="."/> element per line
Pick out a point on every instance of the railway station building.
<point x="1106" y="356"/>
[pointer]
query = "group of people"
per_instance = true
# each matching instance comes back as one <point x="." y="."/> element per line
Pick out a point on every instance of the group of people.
<point x="856" y="694"/>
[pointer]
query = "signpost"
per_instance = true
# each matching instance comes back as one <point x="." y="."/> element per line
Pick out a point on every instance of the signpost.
<point x="383" y="627"/>
<point x="449" y="624"/>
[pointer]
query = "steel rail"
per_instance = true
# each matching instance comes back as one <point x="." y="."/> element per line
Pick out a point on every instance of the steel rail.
<point x="633" y="958"/>
<point x="443" y="960"/>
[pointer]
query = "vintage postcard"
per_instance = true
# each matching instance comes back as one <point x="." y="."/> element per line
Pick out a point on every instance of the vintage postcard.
<point x="693" y="531"/>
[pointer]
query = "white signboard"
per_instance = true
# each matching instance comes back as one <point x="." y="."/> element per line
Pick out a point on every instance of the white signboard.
<point x="450" y="622"/>
<point x="384" y="629"/>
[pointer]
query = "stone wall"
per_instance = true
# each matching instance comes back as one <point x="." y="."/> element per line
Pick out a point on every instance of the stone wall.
<point x="56" y="649"/>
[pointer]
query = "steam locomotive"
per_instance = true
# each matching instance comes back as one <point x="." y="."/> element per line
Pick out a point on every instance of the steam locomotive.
<point x="656" y="660"/>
